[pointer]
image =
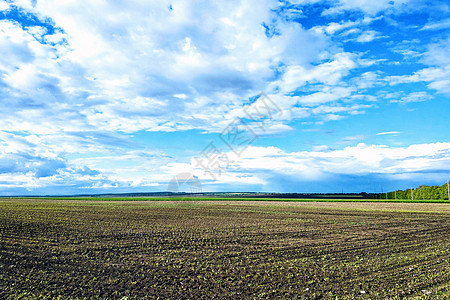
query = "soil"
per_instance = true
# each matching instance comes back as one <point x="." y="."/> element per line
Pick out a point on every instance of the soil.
<point x="170" y="250"/>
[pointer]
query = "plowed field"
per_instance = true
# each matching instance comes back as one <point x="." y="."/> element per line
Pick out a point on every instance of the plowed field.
<point x="112" y="250"/>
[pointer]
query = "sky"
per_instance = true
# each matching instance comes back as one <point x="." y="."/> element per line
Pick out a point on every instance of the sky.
<point x="257" y="95"/>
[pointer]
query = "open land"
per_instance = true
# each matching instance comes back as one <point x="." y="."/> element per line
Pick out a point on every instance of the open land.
<point x="74" y="249"/>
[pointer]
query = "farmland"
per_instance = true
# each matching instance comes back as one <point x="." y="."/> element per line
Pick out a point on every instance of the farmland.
<point x="226" y="249"/>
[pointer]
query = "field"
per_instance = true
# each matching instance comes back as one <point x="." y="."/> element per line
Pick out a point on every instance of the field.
<point x="72" y="249"/>
<point x="202" y="198"/>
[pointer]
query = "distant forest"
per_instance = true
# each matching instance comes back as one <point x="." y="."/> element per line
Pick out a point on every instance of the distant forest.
<point x="423" y="192"/>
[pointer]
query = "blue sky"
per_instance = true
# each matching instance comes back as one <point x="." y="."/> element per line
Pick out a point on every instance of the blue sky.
<point x="123" y="96"/>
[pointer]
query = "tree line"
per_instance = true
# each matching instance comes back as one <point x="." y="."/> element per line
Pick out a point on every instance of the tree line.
<point x="423" y="192"/>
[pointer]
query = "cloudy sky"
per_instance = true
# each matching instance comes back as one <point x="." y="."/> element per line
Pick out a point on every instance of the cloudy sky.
<point x="256" y="95"/>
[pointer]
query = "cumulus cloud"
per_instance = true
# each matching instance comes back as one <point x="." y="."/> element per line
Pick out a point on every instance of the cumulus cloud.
<point x="323" y="162"/>
<point x="216" y="64"/>
<point x="77" y="160"/>
<point x="25" y="165"/>
<point x="76" y="84"/>
<point x="329" y="73"/>
<point x="123" y="70"/>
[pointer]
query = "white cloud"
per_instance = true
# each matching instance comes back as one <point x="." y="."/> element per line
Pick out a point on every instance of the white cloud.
<point x="437" y="53"/>
<point x="388" y="133"/>
<point x="333" y="27"/>
<point x="368" y="80"/>
<point x="368" y="36"/>
<point x="443" y="24"/>
<point x="437" y="76"/>
<point x="70" y="82"/>
<point x="264" y="162"/>
<point x="353" y="138"/>
<point x="328" y="95"/>
<point x="329" y="73"/>
<point x="367" y="6"/>
<point x="337" y="108"/>
<point x="414" y="97"/>
<point x="181" y="96"/>
<point x="123" y="70"/>
<point x="212" y="56"/>
<point x="4" y="6"/>
<point x="330" y="117"/>
<point x="79" y="160"/>
<point x="322" y="148"/>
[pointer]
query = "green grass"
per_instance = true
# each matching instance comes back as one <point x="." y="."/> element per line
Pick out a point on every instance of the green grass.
<point x="231" y="199"/>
